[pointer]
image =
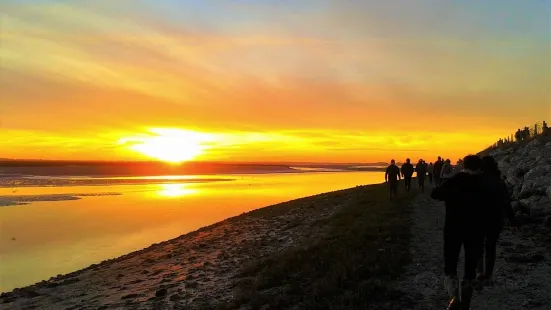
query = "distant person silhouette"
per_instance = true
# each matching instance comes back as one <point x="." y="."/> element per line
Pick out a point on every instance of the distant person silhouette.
<point x="392" y="176"/>
<point x="407" y="173"/>
<point x="518" y="135"/>
<point x="544" y="129"/>
<point x="499" y="206"/>
<point x="526" y="133"/>
<point x="430" y="172"/>
<point x="464" y="195"/>
<point x="438" y="170"/>
<point x="421" y="169"/>
<point x="447" y="171"/>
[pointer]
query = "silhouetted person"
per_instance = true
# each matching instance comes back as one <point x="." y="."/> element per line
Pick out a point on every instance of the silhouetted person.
<point x="526" y="133"/>
<point x="464" y="195"/>
<point x="437" y="170"/>
<point x="421" y="169"/>
<point x="392" y="176"/>
<point x="447" y="171"/>
<point x="407" y="173"/>
<point x="498" y="206"/>
<point x="430" y="172"/>
<point x="544" y="129"/>
<point x="518" y="135"/>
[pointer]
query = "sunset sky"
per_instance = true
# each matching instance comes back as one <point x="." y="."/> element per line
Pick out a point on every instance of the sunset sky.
<point x="267" y="80"/>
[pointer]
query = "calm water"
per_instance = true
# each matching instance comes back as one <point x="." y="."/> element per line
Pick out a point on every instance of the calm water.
<point x="41" y="239"/>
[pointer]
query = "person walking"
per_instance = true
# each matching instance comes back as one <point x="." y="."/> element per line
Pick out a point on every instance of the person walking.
<point x="407" y="173"/>
<point x="438" y="170"/>
<point x="430" y="172"/>
<point x="447" y="171"/>
<point x="421" y="169"/>
<point x="499" y="206"/>
<point x="392" y="176"/>
<point x="464" y="196"/>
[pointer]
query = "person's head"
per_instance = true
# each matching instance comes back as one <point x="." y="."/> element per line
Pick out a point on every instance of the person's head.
<point x="490" y="166"/>
<point x="408" y="160"/>
<point x="448" y="161"/>
<point x="392" y="162"/>
<point x="430" y="163"/>
<point x="439" y="158"/>
<point x="472" y="163"/>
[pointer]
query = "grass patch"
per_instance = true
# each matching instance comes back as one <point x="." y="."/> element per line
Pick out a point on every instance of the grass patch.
<point x="350" y="264"/>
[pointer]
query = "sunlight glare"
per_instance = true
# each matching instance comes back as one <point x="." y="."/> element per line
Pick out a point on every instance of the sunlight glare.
<point x="175" y="190"/>
<point x="170" y="145"/>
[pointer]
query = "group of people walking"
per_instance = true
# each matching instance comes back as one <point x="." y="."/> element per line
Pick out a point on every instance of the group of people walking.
<point x="477" y="201"/>
<point x="438" y="172"/>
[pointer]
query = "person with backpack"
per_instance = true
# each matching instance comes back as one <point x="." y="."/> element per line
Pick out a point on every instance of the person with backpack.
<point x="421" y="169"/>
<point x="392" y="176"/>
<point x="407" y="173"/>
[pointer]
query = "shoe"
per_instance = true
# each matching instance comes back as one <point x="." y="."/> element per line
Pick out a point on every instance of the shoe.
<point x="455" y="304"/>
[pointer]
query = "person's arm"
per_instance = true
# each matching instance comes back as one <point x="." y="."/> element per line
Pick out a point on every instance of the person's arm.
<point x="443" y="192"/>
<point x="386" y="175"/>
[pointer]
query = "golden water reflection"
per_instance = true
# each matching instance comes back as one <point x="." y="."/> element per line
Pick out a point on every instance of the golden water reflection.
<point x="176" y="190"/>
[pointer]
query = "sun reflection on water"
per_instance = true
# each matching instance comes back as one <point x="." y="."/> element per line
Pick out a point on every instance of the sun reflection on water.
<point x="176" y="190"/>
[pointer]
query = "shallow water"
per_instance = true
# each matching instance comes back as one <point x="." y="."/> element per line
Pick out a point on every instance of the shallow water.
<point x="50" y="230"/>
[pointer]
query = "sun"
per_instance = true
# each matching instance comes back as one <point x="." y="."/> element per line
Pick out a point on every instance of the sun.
<point x="169" y="145"/>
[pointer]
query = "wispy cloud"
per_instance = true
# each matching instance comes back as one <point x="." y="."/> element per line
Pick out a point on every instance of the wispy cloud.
<point x="325" y="75"/>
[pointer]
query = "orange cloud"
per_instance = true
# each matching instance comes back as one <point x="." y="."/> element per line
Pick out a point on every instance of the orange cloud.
<point x="331" y="85"/>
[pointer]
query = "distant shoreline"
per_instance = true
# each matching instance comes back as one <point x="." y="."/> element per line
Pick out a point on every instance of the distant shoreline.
<point x="148" y="169"/>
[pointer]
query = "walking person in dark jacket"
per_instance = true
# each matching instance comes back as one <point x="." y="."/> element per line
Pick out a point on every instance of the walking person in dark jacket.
<point x="499" y="206"/>
<point x="464" y="195"/>
<point x="407" y="173"/>
<point x="430" y="172"/>
<point x="438" y="170"/>
<point x="421" y="169"/>
<point x="392" y="176"/>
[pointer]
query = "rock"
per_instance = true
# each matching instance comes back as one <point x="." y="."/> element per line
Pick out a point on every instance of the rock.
<point x="161" y="293"/>
<point x="130" y="296"/>
<point x="515" y="205"/>
<point x="540" y="209"/>
<point x="174" y="297"/>
<point x="537" y="172"/>
<point x="533" y="144"/>
<point x="30" y="293"/>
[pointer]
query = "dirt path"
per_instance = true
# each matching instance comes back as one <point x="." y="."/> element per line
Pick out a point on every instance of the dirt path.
<point x="522" y="275"/>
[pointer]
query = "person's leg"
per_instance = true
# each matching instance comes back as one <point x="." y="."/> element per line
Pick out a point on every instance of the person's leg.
<point x="480" y="265"/>
<point x="452" y="248"/>
<point x="422" y="183"/>
<point x="473" y="246"/>
<point x="393" y="185"/>
<point x="490" y="260"/>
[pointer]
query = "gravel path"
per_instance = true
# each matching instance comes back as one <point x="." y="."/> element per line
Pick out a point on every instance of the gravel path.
<point x="522" y="275"/>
